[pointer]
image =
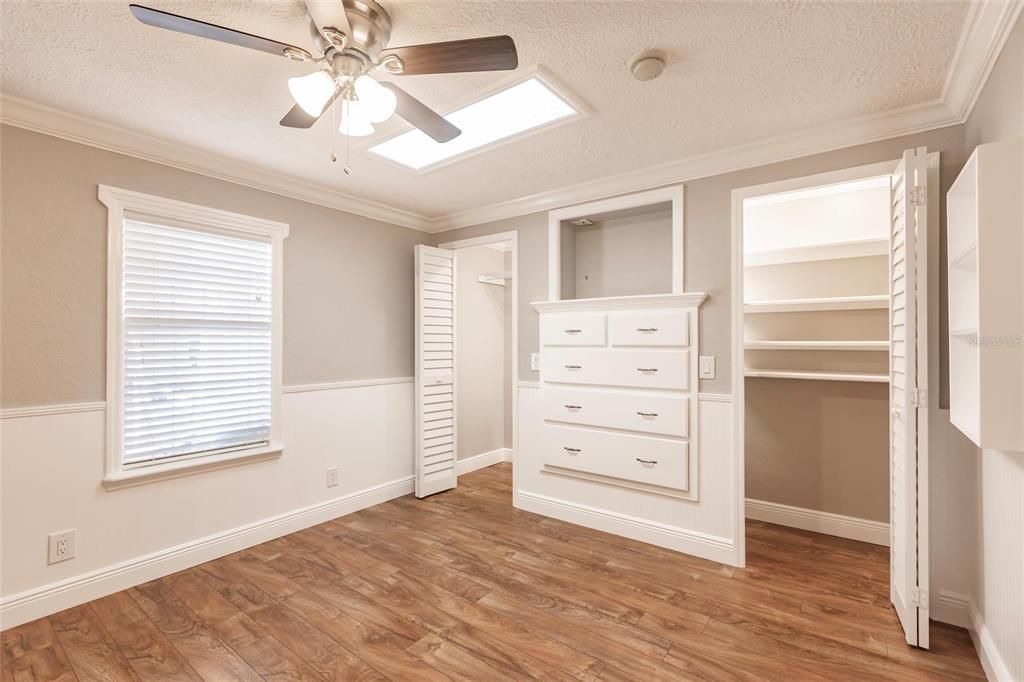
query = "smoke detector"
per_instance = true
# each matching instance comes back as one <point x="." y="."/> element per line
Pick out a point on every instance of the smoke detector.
<point x="582" y="222"/>
<point x="647" y="65"/>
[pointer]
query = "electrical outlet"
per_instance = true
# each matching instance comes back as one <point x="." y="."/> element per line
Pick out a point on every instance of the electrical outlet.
<point x="62" y="546"/>
<point x="332" y="476"/>
<point x="535" y="362"/>
<point x="707" y="367"/>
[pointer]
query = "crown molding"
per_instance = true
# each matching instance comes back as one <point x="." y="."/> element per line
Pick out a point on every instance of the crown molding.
<point x="38" y="118"/>
<point x="985" y="31"/>
<point x="986" y="28"/>
<point x="863" y="130"/>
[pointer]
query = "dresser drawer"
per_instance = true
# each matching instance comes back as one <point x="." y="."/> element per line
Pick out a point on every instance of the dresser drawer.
<point x="649" y="329"/>
<point x="641" y="459"/>
<point x="666" y="415"/>
<point x="572" y="330"/>
<point x="632" y="368"/>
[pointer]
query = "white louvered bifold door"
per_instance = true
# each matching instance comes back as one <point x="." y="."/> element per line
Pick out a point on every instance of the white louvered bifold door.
<point x="907" y="389"/>
<point x="197" y="342"/>
<point x="435" y="370"/>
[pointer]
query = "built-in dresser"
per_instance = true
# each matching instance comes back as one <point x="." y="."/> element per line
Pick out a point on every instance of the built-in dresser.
<point x="619" y="391"/>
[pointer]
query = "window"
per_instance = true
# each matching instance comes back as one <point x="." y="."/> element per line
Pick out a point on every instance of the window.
<point x="193" y="367"/>
<point x="528" y="105"/>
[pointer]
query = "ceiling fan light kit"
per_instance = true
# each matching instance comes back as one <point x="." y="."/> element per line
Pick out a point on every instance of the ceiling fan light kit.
<point x="312" y="91"/>
<point x="351" y="37"/>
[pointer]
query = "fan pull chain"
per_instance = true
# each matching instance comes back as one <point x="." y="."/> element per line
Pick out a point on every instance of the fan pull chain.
<point x="334" y="134"/>
<point x="348" y="155"/>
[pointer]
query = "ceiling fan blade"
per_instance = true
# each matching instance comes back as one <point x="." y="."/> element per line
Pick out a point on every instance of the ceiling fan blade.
<point x="298" y="118"/>
<point x="422" y="116"/>
<point x="175" y="22"/>
<point x="329" y="14"/>
<point x="496" y="53"/>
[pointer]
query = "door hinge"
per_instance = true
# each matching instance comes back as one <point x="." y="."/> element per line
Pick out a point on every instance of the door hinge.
<point x="918" y="195"/>
<point x="918" y="598"/>
<point x="919" y="398"/>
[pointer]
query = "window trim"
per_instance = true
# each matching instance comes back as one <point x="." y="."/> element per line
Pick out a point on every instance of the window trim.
<point x="123" y="204"/>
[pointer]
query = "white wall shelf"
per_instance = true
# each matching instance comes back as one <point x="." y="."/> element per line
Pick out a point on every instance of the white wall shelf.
<point x="817" y="304"/>
<point x="880" y="346"/>
<point x="816" y="376"/>
<point x="985" y="242"/>
<point x="497" y="278"/>
<point x="816" y="252"/>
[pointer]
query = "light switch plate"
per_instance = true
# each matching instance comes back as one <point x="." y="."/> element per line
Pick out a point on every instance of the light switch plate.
<point x="707" y="367"/>
<point x="535" y="362"/>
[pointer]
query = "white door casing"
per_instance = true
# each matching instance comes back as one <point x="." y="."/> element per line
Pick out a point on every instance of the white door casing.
<point x="908" y="391"/>
<point x="435" y="371"/>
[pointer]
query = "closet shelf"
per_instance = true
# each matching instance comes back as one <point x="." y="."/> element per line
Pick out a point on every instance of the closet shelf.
<point x="818" y="345"/>
<point x="818" y="252"/>
<point x="794" y="305"/>
<point x="816" y="376"/>
<point x="497" y="278"/>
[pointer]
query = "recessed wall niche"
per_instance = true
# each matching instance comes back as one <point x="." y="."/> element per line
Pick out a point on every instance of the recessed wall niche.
<point x="630" y="245"/>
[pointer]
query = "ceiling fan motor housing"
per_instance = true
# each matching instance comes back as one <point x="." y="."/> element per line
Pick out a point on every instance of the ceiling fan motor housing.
<point x="371" y="28"/>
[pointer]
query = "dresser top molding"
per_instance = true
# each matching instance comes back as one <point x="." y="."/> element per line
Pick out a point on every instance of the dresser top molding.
<point x="692" y="299"/>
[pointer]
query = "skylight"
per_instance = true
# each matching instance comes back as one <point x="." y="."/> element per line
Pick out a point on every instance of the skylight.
<point x="513" y="111"/>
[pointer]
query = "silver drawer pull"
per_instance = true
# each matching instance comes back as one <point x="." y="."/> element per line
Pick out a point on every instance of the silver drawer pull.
<point x="573" y="407"/>
<point x="647" y="329"/>
<point x="573" y="331"/>
<point x="574" y="366"/>
<point x="648" y="414"/>
<point x="568" y="449"/>
<point x="647" y="461"/>
<point x="647" y="369"/>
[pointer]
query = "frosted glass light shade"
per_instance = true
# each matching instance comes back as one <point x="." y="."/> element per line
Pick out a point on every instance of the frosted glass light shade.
<point x="312" y="91"/>
<point x="377" y="101"/>
<point x="354" y="121"/>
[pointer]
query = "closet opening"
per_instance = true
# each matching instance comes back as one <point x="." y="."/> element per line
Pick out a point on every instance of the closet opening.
<point x="831" y="328"/>
<point x="466" y="354"/>
<point x="815" y="360"/>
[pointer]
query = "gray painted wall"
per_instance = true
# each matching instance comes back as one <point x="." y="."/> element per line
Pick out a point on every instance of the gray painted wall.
<point x="480" y="353"/>
<point x="348" y="287"/>
<point x="707" y="241"/>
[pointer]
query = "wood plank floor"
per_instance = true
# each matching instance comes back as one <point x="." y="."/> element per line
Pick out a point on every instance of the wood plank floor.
<point x="463" y="586"/>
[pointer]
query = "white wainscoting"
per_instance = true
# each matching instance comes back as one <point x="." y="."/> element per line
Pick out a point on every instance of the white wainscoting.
<point x="850" y="527"/>
<point x="703" y="528"/>
<point x="53" y="464"/>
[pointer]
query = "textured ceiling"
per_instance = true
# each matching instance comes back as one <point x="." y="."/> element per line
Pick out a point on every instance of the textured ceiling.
<point x="738" y="72"/>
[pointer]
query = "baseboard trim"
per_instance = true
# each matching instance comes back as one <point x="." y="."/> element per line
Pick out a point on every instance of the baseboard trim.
<point x="992" y="662"/>
<point x="702" y="545"/>
<point x="952" y="608"/>
<point x="484" y="459"/>
<point x="850" y="527"/>
<point x="38" y="602"/>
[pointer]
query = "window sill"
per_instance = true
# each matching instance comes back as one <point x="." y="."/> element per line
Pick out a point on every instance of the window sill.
<point x="128" y="478"/>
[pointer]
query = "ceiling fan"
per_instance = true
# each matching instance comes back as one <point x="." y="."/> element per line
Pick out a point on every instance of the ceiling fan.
<point x="351" y="38"/>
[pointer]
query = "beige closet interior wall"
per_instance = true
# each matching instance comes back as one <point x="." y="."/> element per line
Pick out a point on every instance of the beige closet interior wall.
<point x="818" y="445"/>
<point x="480" y="347"/>
<point x="623" y="256"/>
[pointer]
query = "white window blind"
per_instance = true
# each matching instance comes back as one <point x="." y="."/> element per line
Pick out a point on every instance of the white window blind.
<point x="197" y="342"/>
